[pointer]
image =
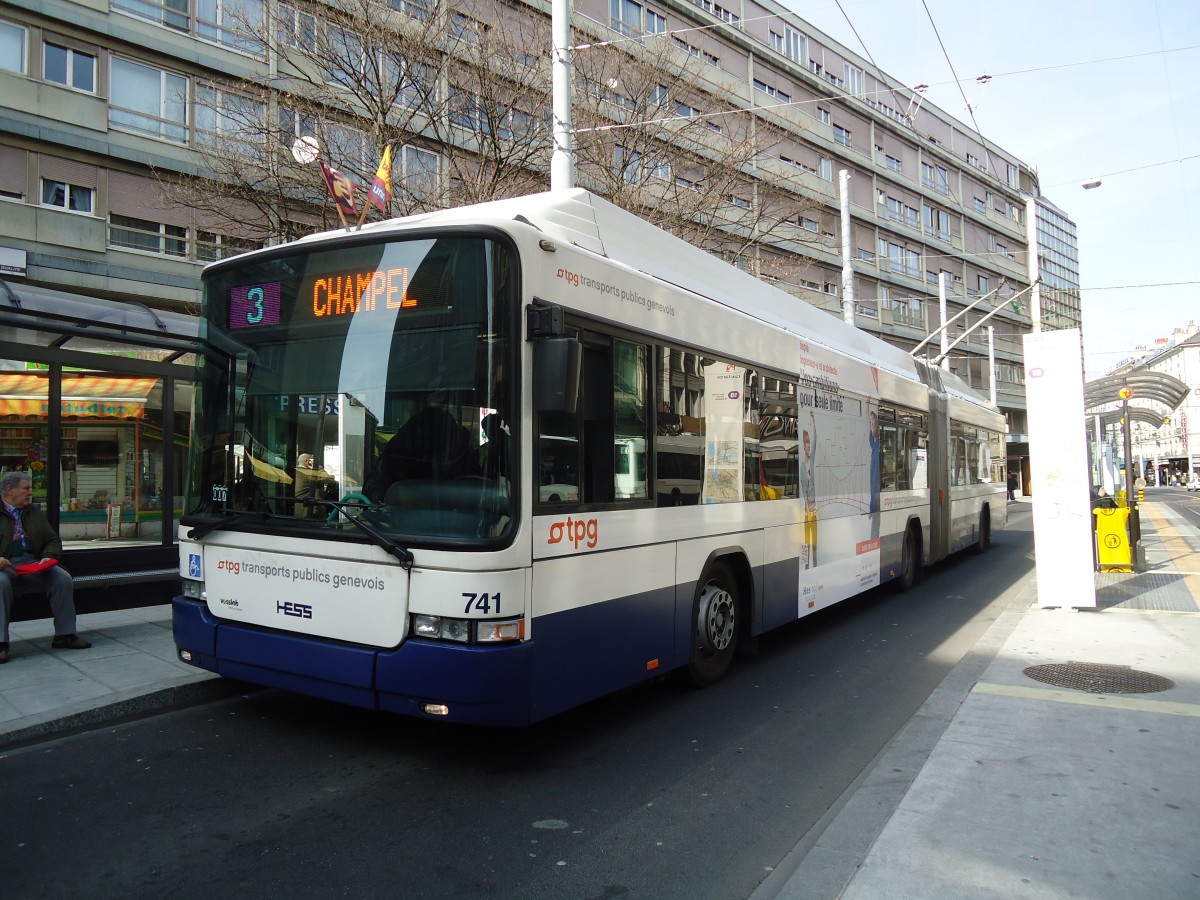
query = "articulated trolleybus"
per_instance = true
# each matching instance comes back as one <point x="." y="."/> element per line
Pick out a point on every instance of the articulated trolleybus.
<point x="492" y="462"/>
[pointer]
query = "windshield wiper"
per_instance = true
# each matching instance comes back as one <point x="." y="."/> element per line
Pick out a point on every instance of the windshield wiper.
<point x="340" y="506"/>
<point x="231" y="518"/>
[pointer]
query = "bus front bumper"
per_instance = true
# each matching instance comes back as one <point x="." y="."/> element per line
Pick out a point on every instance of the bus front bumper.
<point x="472" y="684"/>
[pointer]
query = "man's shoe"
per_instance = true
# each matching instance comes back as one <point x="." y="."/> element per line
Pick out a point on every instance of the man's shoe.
<point x="69" y="642"/>
<point x="3" y="653"/>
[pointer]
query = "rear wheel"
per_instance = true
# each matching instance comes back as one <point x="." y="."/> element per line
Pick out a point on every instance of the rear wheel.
<point x="715" y="625"/>
<point x="910" y="561"/>
<point x="985" y="532"/>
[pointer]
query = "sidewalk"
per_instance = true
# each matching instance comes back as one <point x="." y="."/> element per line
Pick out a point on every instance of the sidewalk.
<point x="130" y="671"/>
<point x="1005" y="786"/>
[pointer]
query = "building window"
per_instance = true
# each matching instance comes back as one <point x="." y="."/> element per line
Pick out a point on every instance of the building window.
<point x="984" y="284"/>
<point x="937" y="222"/>
<point x="298" y="30"/>
<point x="630" y="18"/>
<point x="894" y="164"/>
<point x="224" y="115"/>
<point x="1014" y="177"/>
<point x="842" y="136"/>
<point x="980" y="206"/>
<point x="232" y="23"/>
<point x="12" y="48"/>
<point x="935" y="177"/>
<point x="823" y="114"/>
<point x="419" y="171"/>
<point x="71" y="197"/>
<point x="634" y="167"/>
<point x="142" y="234"/>
<point x="791" y="44"/>
<point x="211" y="246"/>
<point x="74" y="68"/>
<point x="149" y="100"/>
<point x="854" y="80"/>
<point x="772" y="91"/>
<point x="720" y="12"/>
<point x="171" y="13"/>
<point x="825" y="170"/>
<point x="418" y="9"/>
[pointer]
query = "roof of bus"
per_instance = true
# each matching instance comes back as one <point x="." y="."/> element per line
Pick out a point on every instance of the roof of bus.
<point x="579" y="217"/>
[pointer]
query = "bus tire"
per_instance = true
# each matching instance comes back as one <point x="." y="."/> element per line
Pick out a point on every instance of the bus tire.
<point x="910" y="561"/>
<point x="716" y="624"/>
<point x="985" y="532"/>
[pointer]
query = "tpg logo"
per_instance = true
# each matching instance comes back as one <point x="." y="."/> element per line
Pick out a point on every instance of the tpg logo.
<point x="576" y="531"/>
<point x="298" y="610"/>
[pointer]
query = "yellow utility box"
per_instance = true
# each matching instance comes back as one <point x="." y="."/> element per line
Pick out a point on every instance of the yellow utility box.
<point x="1112" y="539"/>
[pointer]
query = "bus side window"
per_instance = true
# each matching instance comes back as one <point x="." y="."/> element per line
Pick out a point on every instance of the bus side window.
<point x="679" y="432"/>
<point x="598" y="456"/>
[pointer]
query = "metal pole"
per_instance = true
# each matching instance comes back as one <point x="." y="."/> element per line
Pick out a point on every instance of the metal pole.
<point x="1031" y="255"/>
<point x="992" y="364"/>
<point x="945" y="338"/>
<point x="562" y="161"/>
<point x="1135" y="528"/>
<point x="847" y="269"/>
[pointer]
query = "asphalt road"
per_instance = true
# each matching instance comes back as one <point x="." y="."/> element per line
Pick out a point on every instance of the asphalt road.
<point x="658" y="792"/>
<point x="1184" y="502"/>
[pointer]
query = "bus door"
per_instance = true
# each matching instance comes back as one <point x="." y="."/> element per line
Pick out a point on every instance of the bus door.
<point x="939" y="477"/>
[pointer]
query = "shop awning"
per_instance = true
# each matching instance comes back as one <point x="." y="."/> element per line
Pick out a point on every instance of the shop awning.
<point x="27" y="394"/>
<point x="268" y="472"/>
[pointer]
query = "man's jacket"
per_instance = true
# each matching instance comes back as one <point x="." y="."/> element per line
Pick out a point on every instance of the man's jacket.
<point x="41" y="540"/>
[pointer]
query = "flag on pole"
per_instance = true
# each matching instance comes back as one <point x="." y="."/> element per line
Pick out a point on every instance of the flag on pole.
<point x="381" y="188"/>
<point x="342" y="190"/>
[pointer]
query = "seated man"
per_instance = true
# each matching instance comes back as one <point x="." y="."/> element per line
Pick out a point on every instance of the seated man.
<point x="26" y="536"/>
<point x="311" y="482"/>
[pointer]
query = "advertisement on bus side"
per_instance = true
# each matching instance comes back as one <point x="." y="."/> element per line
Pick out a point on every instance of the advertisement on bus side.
<point x="837" y="404"/>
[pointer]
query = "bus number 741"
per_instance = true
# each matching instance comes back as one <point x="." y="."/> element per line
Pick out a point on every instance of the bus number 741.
<point x="484" y="603"/>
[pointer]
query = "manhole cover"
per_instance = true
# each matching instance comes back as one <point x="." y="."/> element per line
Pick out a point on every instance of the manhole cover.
<point x="1096" y="678"/>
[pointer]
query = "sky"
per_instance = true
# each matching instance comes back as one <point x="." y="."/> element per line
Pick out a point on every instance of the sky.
<point x="1079" y="89"/>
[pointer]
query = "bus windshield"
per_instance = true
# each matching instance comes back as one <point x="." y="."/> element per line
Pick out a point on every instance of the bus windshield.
<point x="371" y="375"/>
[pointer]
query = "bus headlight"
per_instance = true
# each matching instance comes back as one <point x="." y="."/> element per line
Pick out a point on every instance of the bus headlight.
<point x="442" y="628"/>
<point x="193" y="589"/>
<point x="467" y="631"/>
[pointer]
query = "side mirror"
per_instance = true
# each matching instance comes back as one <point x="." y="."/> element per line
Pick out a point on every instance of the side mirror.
<point x="557" y="363"/>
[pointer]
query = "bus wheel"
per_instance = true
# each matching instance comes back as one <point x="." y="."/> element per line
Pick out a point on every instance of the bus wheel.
<point x="985" y="532"/>
<point x="715" y="626"/>
<point x="910" y="561"/>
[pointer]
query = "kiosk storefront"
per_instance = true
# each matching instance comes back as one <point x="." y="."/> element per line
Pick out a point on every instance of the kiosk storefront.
<point x="94" y="402"/>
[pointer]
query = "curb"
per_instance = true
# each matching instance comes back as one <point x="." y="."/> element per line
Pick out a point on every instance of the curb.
<point x="124" y="706"/>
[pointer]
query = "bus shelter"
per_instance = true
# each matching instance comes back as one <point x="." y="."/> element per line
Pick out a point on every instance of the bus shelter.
<point x="95" y="396"/>
<point x="1124" y="398"/>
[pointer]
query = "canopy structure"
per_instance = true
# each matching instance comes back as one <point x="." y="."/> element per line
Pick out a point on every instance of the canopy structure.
<point x="1154" y="396"/>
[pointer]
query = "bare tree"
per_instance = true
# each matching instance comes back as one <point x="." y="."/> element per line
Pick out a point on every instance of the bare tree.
<point x="461" y="94"/>
<point x="658" y="135"/>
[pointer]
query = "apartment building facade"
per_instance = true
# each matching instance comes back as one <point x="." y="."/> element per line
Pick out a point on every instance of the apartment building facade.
<point x="105" y="104"/>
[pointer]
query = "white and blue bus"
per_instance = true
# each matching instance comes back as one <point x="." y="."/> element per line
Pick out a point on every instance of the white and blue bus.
<point x="368" y="518"/>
